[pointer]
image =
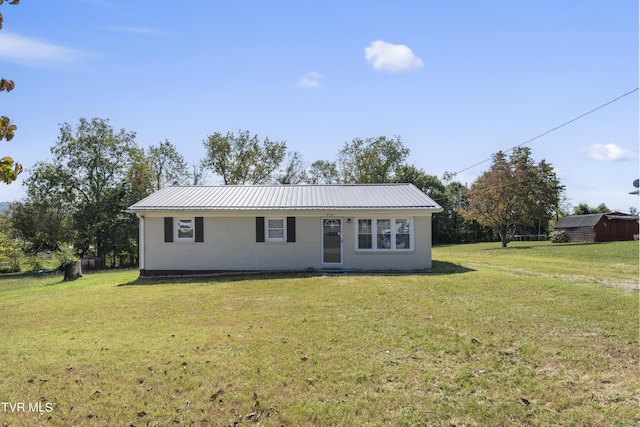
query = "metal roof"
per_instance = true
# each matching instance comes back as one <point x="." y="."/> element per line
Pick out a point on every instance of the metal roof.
<point x="591" y="220"/>
<point x="289" y="197"/>
<point x="587" y="220"/>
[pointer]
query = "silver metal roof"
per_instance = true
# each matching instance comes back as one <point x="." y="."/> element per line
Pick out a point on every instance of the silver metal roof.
<point x="290" y="197"/>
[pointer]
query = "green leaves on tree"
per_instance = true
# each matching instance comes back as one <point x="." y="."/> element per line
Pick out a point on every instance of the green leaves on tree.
<point x="9" y="169"/>
<point x="514" y="191"/>
<point x="371" y="160"/>
<point x="242" y="158"/>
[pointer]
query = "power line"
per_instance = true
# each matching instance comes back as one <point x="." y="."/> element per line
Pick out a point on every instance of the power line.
<point x="554" y="129"/>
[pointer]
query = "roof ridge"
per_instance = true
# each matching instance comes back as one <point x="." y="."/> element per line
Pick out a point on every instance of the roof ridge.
<point x="383" y="184"/>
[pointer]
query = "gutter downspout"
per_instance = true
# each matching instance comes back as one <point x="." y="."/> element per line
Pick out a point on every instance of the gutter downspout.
<point x="141" y="244"/>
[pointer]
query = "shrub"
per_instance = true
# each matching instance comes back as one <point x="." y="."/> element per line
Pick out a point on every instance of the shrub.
<point x="66" y="257"/>
<point x="559" y="237"/>
<point x="10" y="268"/>
<point x="36" y="263"/>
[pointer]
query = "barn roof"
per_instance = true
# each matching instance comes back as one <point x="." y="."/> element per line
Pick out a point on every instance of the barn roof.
<point x="290" y="197"/>
<point x="590" y="220"/>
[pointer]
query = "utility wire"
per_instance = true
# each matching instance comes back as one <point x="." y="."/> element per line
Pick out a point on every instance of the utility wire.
<point x="554" y="129"/>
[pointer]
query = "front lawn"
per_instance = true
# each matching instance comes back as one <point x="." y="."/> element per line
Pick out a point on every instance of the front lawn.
<point x="533" y="335"/>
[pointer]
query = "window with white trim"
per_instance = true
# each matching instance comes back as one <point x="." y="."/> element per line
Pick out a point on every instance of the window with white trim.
<point x="384" y="234"/>
<point x="185" y="230"/>
<point x="365" y="238"/>
<point x="276" y="230"/>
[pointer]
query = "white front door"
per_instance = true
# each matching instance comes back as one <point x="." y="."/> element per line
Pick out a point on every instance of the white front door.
<point x="332" y="241"/>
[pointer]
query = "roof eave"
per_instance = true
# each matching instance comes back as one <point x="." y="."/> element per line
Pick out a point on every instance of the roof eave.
<point x="134" y="209"/>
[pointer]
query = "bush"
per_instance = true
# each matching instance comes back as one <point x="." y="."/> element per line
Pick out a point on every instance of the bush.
<point x="559" y="237"/>
<point x="69" y="263"/>
<point x="36" y="263"/>
<point x="66" y="257"/>
<point x="10" y="268"/>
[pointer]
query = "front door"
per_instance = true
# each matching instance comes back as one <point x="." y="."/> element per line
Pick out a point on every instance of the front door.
<point x="332" y="241"/>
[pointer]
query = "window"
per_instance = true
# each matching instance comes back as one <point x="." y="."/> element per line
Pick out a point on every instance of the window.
<point x="276" y="230"/>
<point x="365" y="238"/>
<point x="403" y="234"/>
<point x="384" y="234"/>
<point x="391" y="234"/>
<point x="185" y="230"/>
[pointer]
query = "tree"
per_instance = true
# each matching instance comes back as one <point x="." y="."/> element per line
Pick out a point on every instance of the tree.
<point x="95" y="160"/>
<point x="449" y="225"/>
<point x="584" y="209"/>
<point x="242" y="159"/>
<point x="167" y="165"/>
<point x="371" y="161"/>
<point x="323" y="172"/>
<point x="198" y="174"/>
<point x="10" y="246"/>
<point x="44" y="219"/>
<point x="90" y="181"/>
<point x="9" y="168"/>
<point x="514" y="191"/>
<point x="293" y="171"/>
<point x="429" y="184"/>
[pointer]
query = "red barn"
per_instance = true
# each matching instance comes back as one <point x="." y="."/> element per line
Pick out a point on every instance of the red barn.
<point x="608" y="227"/>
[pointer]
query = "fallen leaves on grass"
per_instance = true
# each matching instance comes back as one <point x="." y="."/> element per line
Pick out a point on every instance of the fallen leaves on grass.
<point x="524" y="401"/>
<point x="215" y="396"/>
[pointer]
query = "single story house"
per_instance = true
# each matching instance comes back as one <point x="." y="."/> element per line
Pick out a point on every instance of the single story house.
<point x="602" y="227"/>
<point x="207" y="229"/>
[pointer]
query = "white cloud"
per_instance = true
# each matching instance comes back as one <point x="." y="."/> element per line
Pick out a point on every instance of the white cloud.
<point x="23" y="50"/>
<point x="311" y="79"/>
<point x="391" y="57"/>
<point x="608" y="152"/>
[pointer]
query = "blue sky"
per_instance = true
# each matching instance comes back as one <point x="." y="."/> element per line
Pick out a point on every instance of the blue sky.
<point x="456" y="80"/>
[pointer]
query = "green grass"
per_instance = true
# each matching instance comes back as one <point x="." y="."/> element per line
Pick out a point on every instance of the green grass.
<point x="533" y="335"/>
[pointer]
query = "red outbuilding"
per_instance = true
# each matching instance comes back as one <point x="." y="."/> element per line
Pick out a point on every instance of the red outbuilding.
<point x="602" y="227"/>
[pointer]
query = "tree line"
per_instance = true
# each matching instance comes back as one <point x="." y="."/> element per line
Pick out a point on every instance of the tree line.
<point x="78" y="199"/>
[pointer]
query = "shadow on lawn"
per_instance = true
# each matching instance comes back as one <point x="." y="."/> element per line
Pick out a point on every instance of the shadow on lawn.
<point x="216" y="278"/>
<point x="443" y="267"/>
<point x="439" y="267"/>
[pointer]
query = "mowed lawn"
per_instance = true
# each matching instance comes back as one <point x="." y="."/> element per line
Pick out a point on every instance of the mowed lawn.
<point x="536" y="334"/>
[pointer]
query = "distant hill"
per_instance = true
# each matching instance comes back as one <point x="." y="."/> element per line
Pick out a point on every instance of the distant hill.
<point x="4" y="206"/>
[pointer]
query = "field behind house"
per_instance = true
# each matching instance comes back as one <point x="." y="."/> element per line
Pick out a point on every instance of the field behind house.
<point x="536" y="334"/>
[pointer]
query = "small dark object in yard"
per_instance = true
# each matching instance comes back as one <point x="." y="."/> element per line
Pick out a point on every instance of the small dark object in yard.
<point x="216" y="395"/>
<point x="41" y="272"/>
<point x="525" y="401"/>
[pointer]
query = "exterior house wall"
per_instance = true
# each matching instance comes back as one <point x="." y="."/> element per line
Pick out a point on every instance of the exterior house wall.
<point x="230" y="244"/>
<point x="580" y="234"/>
<point x="417" y="259"/>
